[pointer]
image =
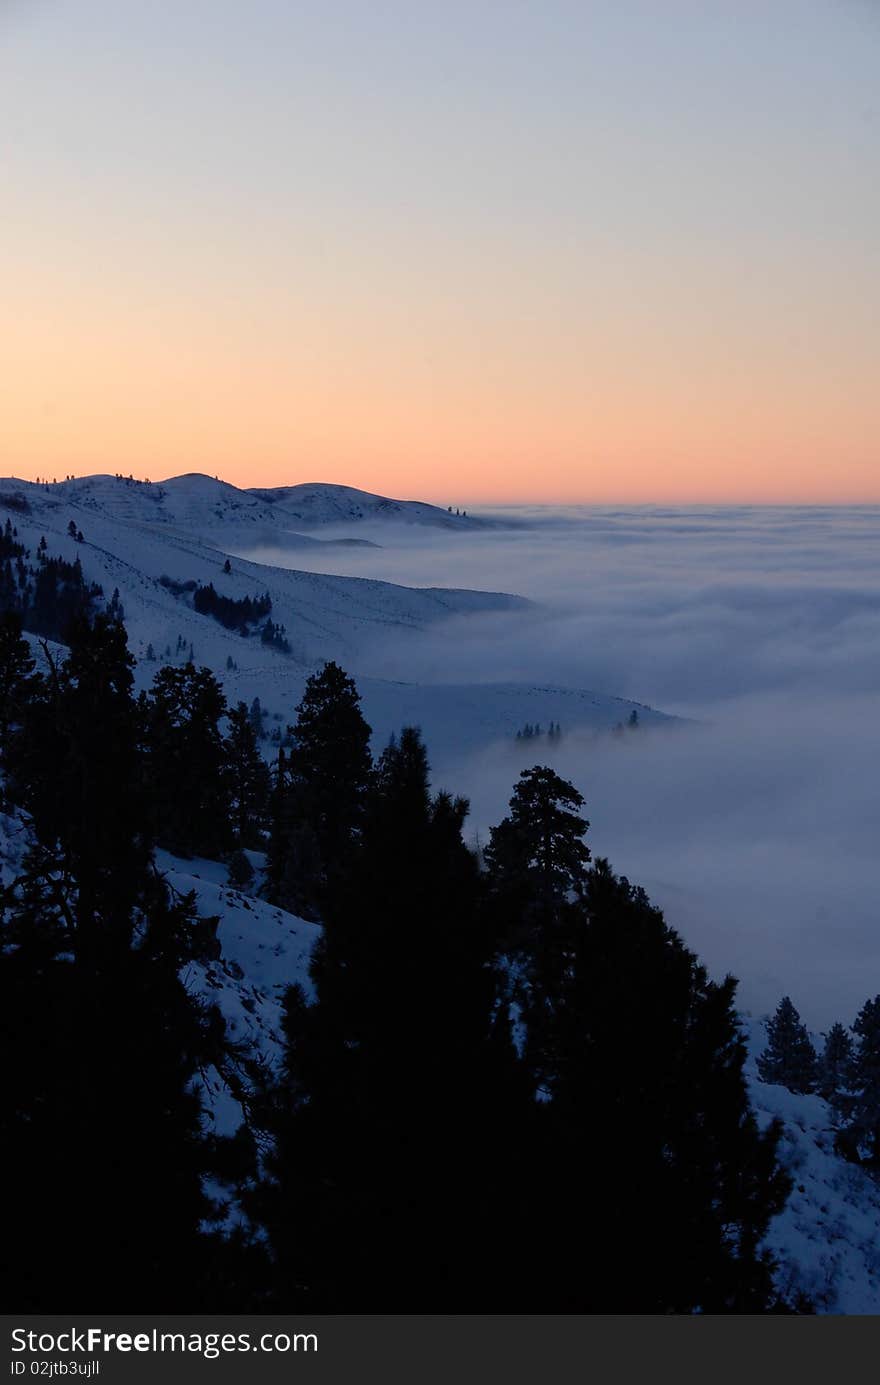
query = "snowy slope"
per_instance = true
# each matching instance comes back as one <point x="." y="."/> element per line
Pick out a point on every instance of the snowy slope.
<point x="318" y="503"/>
<point x="325" y="616"/>
<point x="204" y="505"/>
<point x="263" y="951"/>
<point x="827" y="1238"/>
<point x="134" y="533"/>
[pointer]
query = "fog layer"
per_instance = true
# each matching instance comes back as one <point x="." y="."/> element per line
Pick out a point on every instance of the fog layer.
<point x="757" y="829"/>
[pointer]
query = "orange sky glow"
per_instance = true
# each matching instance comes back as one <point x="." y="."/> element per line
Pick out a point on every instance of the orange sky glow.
<point x="595" y="277"/>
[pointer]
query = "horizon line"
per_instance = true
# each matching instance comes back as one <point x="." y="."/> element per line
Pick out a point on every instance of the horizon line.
<point x="521" y="502"/>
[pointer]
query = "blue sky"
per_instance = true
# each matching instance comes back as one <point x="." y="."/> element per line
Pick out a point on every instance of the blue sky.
<point x="516" y="251"/>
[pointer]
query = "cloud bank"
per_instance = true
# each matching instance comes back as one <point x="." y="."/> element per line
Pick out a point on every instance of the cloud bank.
<point x="757" y="829"/>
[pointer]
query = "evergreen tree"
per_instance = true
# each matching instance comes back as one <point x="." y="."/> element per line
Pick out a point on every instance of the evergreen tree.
<point x="320" y="793"/>
<point x="248" y="779"/>
<point x="78" y="745"/>
<point x="18" y="685"/>
<point x="391" y="1126"/>
<point x="789" y="1058"/>
<point x="644" y="1136"/>
<point x="641" y="1133"/>
<point x="834" y="1064"/>
<point x="240" y="872"/>
<point x="282" y="862"/>
<point x="861" y="1103"/>
<point x="100" y="1118"/>
<point x="186" y="761"/>
<point x="536" y="857"/>
<point x="256" y="715"/>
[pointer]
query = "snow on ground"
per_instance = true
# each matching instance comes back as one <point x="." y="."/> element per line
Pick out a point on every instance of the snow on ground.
<point x="13" y="844"/>
<point x="827" y="1238"/>
<point x="317" y="503"/>
<point x="134" y="533"/>
<point x="199" y="504"/>
<point x="325" y="616"/>
<point x="263" y="950"/>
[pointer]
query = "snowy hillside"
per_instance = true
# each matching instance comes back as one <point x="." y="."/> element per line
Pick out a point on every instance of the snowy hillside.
<point x="263" y="950"/>
<point x="135" y="533"/>
<point x="827" y="1239"/>
<point x="202" y="505"/>
<point x="325" y="616"/>
<point x="317" y="503"/>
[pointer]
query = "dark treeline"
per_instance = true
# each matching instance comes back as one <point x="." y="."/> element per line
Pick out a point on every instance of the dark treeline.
<point x="48" y="594"/>
<point x="530" y="732"/>
<point x="512" y="1088"/>
<point x="233" y="614"/>
<point x="103" y="1149"/>
<point x="240" y="614"/>
<point x="846" y="1073"/>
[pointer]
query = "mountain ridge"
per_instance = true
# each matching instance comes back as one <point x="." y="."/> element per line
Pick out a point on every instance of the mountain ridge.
<point x="132" y="538"/>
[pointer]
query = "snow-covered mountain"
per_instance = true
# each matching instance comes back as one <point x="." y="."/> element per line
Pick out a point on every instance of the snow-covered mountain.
<point x="135" y="533"/>
<point x="318" y="503"/>
<point x="827" y="1240"/>
<point x="204" y="505"/>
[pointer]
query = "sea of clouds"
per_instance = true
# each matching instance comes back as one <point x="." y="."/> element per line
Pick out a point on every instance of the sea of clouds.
<point x="757" y="826"/>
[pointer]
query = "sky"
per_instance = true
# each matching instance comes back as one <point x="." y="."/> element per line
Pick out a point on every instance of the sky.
<point x="753" y="821"/>
<point x="510" y="252"/>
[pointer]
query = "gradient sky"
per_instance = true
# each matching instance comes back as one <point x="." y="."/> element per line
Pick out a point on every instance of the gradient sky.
<point x="555" y="250"/>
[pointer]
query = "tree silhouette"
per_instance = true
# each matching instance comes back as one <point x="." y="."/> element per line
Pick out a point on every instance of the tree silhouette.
<point x="789" y="1058"/>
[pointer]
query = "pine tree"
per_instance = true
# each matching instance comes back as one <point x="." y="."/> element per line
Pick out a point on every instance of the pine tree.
<point x="834" y="1064"/>
<point x="256" y="715"/>
<point x="789" y="1058"/>
<point x="399" y="1058"/>
<point x="240" y="872"/>
<point x="248" y="779"/>
<point x="644" y="1134"/>
<point x="186" y="762"/>
<point x="320" y="794"/>
<point x="100" y="1117"/>
<point x="80" y="744"/>
<point x="861" y="1104"/>
<point x="536" y="857"/>
<point x="18" y="685"/>
<point x="101" y="1123"/>
<point x="641" y="1131"/>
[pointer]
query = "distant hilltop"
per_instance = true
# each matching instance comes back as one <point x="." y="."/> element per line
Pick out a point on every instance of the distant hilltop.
<point x="320" y="503"/>
<point x="197" y="501"/>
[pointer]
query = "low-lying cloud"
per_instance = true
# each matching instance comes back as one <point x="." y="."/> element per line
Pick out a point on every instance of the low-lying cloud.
<point x="756" y="830"/>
